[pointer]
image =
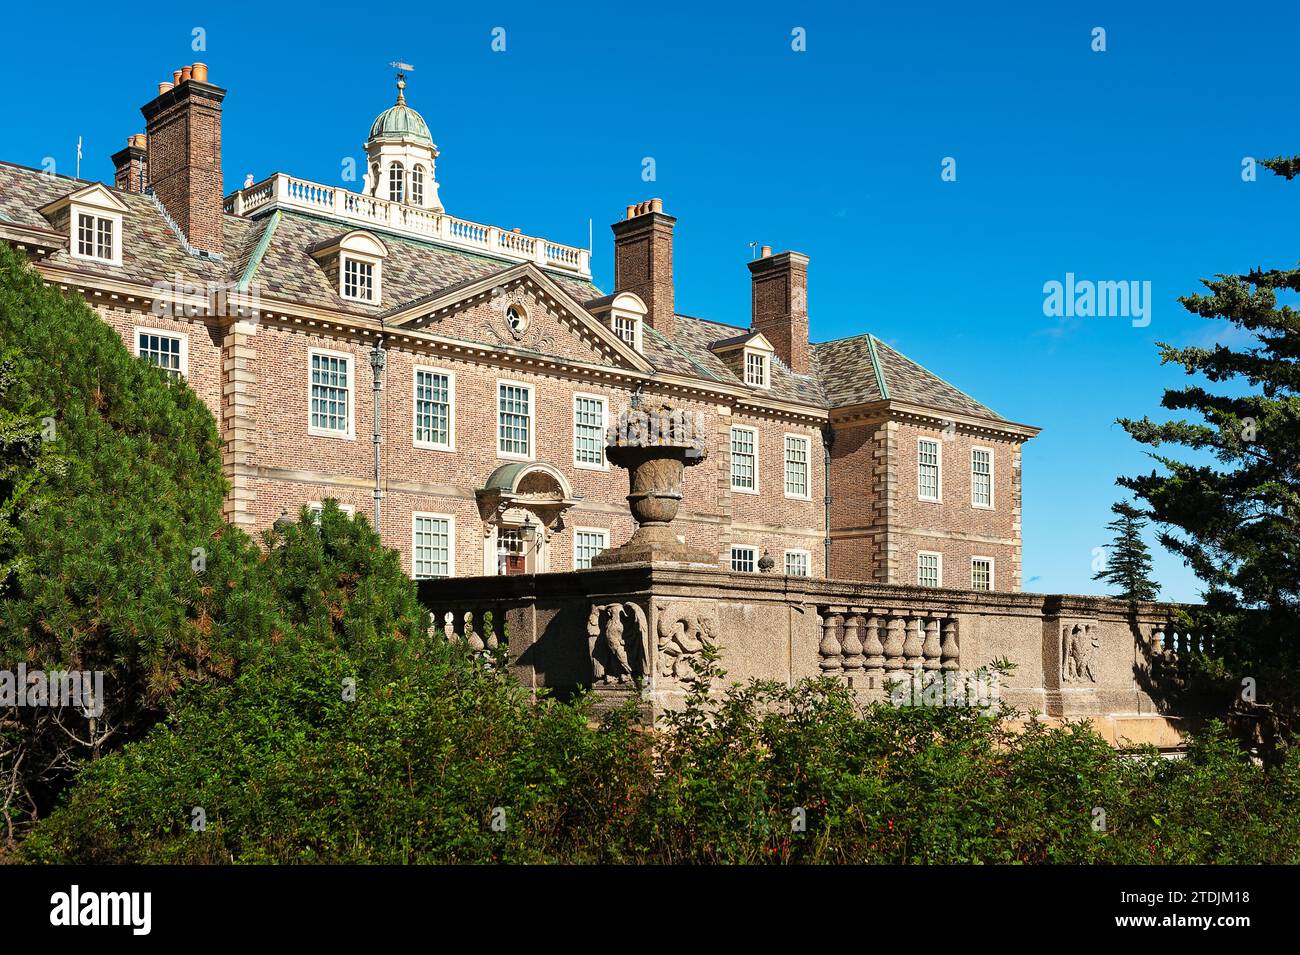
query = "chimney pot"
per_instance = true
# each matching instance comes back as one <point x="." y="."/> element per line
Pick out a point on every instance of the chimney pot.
<point x="631" y="211"/>
<point x="199" y="71"/>
<point x="656" y="205"/>
<point x="186" y="73"/>
<point x="163" y="88"/>
<point x="766" y="252"/>
<point x="176" y="77"/>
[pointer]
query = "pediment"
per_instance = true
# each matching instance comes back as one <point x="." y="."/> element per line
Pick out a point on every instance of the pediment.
<point x="94" y="196"/>
<point x="519" y="309"/>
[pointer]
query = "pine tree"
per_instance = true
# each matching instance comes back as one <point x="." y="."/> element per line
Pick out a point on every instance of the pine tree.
<point x="1128" y="565"/>
<point x="1234" y="515"/>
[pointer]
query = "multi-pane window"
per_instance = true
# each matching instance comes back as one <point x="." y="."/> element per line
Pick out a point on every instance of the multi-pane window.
<point x="514" y="420"/>
<point x="430" y="546"/>
<point x="928" y="570"/>
<point x="928" y="470"/>
<point x="796" y="466"/>
<point x="433" y="409"/>
<point x="317" y="508"/>
<point x="94" y="237"/>
<point x="981" y="477"/>
<point x="165" y="351"/>
<point x="756" y="369"/>
<point x="796" y="563"/>
<point x="589" y="431"/>
<point x="744" y="475"/>
<point x="396" y="182"/>
<point x="742" y="560"/>
<point x="358" y="279"/>
<point x="586" y="545"/>
<point x="331" y="386"/>
<point x="625" y="328"/>
<point x="417" y="186"/>
<point x="981" y="573"/>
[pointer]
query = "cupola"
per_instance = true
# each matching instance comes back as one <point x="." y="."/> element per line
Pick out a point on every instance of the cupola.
<point x="400" y="156"/>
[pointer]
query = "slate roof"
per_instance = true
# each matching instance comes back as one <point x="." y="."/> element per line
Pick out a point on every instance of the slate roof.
<point x="863" y="368"/>
<point x="845" y="372"/>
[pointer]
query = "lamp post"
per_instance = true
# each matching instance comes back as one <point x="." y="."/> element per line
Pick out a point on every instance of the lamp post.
<point x="378" y="358"/>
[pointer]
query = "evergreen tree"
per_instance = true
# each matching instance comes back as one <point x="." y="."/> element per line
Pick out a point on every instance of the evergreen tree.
<point x="104" y="572"/>
<point x="1234" y="514"/>
<point x="1128" y="564"/>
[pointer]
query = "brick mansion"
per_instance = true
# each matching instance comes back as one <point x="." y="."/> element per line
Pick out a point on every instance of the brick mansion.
<point x="458" y="378"/>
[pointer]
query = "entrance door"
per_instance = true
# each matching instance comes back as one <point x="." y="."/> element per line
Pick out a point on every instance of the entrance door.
<point x="510" y="549"/>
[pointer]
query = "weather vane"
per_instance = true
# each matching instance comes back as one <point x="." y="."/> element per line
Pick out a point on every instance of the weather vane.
<point x="402" y="70"/>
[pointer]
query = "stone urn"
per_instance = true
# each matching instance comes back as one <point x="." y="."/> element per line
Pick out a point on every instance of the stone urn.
<point x="655" y="446"/>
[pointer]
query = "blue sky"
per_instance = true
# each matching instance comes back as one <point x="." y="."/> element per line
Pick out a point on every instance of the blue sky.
<point x="1122" y="165"/>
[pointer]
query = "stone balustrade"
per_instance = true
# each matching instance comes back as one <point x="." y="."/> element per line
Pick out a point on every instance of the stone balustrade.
<point x="643" y="627"/>
<point x="476" y="629"/>
<point x="354" y="208"/>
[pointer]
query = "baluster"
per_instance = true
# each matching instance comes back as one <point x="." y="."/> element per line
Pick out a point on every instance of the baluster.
<point x="830" y="645"/>
<point x="874" y="651"/>
<point x="950" y="651"/>
<point x="912" y="646"/>
<point x="930" y="649"/>
<point x="853" y="658"/>
<point x="471" y="637"/>
<point x="894" y="641"/>
<point x="449" y="625"/>
<point x="490" y="630"/>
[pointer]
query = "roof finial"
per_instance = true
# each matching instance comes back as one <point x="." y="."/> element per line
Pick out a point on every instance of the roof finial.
<point x="402" y="70"/>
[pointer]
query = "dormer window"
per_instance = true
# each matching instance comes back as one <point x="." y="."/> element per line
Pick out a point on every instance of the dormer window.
<point x="628" y="328"/>
<point x="757" y="370"/>
<point x="91" y="218"/>
<point x="396" y="182"/>
<point x="358" y="279"/>
<point x="95" y="237"/>
<point x="356" y="263"/>
<point x="623" y="313"/>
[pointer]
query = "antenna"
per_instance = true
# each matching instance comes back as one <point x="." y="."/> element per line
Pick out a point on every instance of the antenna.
<point x="754" y="250"/>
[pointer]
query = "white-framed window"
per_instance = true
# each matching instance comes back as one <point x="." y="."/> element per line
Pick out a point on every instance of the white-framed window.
<point x="797" y="454"/>
<point x="929" y="468"/>
<point x="417" y="185"/>
<point x="514" y="420"/>
<point x="433" y="409"/>
<point x="981" y="573"/>
<point x="757" y="369"/>
<point x="628" y="328"/>
<point x="744" y="460"/>
<point x="743" y="560"/>
<point x="981" y="477"/>
<point x="517" y="318"/>
<point x="929" y="569"/>
<point x="95" y="236"/>
<point x="433" y="545"/>
<point x="589" y="432"/>
<point x="358" y="279"/>
<point x="587" y="543"/>
<point x="317" y="507"/>
<point x="168" y="350"/>
<point x="796" y="563"/>
<point x="396" y="182"/>
<point x="330" y="394"/>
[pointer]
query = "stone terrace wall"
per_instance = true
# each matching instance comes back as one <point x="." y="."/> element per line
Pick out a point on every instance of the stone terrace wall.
<point x="1074" y="656"/>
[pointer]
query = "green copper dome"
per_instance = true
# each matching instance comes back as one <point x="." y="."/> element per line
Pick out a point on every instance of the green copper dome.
<point x="400" y="121"/>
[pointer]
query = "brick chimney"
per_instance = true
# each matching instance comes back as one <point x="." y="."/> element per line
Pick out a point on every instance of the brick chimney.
<point x="183" y="124"/>
<point x="643" y="261"/>
<point x="131" y="165"/>
<point x="780" y="284"/>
